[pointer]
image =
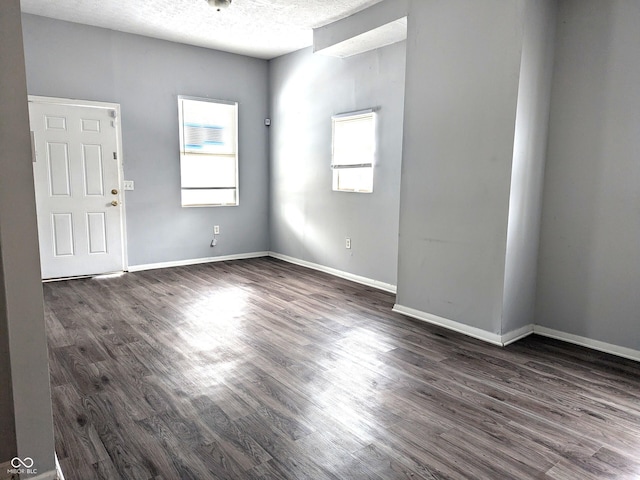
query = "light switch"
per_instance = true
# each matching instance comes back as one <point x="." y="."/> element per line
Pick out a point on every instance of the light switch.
<point x="128" y="185"/>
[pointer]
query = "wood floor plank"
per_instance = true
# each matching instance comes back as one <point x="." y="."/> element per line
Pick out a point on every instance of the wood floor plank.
<point x="239" y="444"/>
<point x="286" y="453"/>
<point x="260" y="369"/>
<point x="334" y="458"/>
<point x="117" y="439"/>
<point x="388" y="467"/>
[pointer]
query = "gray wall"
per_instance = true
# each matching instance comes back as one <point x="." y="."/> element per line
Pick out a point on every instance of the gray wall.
<point x="309" y="221"/>
<point x="477" y="82"/>
<point x="589" y="262"/>
<point x="8" y="446"/>
<point x="463" y="63"/>
<point x="530" y="145"/>
<point x="21" y="307"/>
<point x="145" y="76"/>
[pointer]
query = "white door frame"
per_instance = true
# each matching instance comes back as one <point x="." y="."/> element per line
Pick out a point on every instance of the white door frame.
<point x="111" y="106"/>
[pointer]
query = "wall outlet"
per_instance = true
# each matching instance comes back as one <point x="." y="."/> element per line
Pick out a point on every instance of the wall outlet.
<point x="216" y="230"/>
<point x="347" y="243"/>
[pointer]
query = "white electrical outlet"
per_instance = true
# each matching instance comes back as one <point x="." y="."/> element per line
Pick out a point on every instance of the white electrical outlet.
<point x="348" y="243"/>
<point x="216" y="230"/>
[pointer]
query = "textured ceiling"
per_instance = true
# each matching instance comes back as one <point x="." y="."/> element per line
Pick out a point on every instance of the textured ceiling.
<point x="259" y="28"/>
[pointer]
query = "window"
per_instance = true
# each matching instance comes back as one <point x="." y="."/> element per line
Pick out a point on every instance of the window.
<point x="208" y="152"/>
<point x="354" y="147"/>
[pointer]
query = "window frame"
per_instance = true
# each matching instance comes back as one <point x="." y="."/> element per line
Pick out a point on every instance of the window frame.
<point x="183" y="152"/>
<point x="336" y="167"/>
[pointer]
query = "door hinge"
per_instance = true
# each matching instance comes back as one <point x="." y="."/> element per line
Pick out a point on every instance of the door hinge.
<point x="115" y="155"/>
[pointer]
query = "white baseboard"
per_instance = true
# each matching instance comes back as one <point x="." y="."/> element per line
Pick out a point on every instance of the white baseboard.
<point x="517" y="334"/>
<point x="474" y="332"/>
<point x="59" y="469"/>
<point x="493" y="338"/>
<point x="387" y="287"/>
<point x="196" y="261"/>
<point x="624" y="352"/>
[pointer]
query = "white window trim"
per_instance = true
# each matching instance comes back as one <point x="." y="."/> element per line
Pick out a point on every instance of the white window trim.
<point x="237" y="155"/>
<point x="370" y="112"/>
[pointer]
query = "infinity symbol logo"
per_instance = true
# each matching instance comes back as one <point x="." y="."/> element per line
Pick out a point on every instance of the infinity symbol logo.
<point x="26" y="463"/>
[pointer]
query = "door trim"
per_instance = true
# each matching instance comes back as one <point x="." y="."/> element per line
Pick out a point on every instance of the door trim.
<point x="109" y="106"/>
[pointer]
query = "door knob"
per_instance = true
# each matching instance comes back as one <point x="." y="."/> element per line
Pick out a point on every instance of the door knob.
<point x="114" y="203"/>
<point x="114" y="192"/>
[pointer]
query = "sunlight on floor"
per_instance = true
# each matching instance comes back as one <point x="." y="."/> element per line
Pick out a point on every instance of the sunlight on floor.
<point x="215" y="316"/>
<point x="352" y="383"/>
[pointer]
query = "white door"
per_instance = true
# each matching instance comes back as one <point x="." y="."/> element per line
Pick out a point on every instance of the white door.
<point x="78" y="194"/>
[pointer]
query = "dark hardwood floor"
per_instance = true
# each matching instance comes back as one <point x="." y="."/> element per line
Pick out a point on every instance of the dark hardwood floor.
<point x="259" y="369"/>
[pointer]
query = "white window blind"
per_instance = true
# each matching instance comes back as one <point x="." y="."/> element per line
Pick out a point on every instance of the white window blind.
<point x="208" y="152"/>
<point x="353" y="151"/>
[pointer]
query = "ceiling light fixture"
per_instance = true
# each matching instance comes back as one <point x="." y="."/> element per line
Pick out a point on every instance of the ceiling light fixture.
<point x="219" y="4"/>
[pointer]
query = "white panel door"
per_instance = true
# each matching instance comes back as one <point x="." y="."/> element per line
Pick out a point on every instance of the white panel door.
<point x="78" y="195"/>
